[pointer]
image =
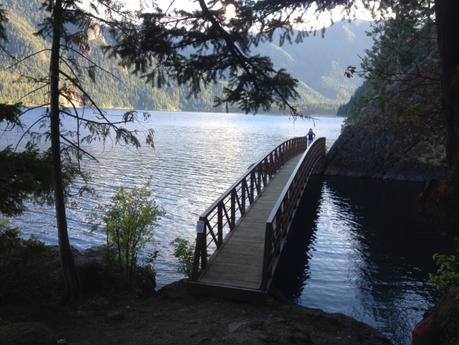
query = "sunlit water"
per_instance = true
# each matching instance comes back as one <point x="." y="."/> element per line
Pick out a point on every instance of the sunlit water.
<point x="361" y="249"/>
<point x="197" y="156"/>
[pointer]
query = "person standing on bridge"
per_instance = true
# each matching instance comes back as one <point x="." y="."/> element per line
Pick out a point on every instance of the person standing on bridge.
<point x="311" y="135"/>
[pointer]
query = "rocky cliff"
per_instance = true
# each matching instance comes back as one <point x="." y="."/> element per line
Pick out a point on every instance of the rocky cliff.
<point x="441" y="325"/>
<point x="399" y="136"/>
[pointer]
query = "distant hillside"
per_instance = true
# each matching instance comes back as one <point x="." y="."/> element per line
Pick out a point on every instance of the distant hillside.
<point x="318" y="63"/>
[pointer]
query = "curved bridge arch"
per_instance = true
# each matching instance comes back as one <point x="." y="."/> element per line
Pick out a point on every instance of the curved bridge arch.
<point x="241" y="235"/>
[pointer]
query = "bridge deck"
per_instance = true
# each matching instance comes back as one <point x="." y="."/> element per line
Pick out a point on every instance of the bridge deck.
<point x="239" y="262"/>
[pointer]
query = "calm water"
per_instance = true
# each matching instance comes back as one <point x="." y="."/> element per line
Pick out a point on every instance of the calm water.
<point x="358" y="247"/>
<point x="362" y="248"/>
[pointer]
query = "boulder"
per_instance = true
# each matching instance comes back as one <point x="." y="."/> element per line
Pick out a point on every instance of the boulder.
<point x="259" y="332"/>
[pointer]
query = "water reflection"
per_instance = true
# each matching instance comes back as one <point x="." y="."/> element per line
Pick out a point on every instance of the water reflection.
<point x="366" y="254"/>
<point x="294" y="270"/>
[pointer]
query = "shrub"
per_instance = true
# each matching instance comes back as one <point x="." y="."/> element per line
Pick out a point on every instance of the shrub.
<point x="26" y="272"/>
<point x="184" y="252"/>
<point x="447" y="273"/>
<point x="129" y="223"/>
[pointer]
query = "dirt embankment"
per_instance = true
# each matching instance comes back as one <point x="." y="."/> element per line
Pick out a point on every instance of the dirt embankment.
<point x="173" y="316"/>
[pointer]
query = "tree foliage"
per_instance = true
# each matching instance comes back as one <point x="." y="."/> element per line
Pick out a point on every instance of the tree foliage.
<point x="77" y="26"/>
<point x="447" y="273"/>
<point x="67" y="25"/>
<point x="25" y="272"/>
<point x="9" y="114"/>
<point x="360" y="99"/>
<point x="184" y="252"/>
<point x="27" y="175"/>
<point x="129" y="224"/>
<point x="195" y="48"/>
<point x="400" y="45"/>
<point x="159" y="49"/>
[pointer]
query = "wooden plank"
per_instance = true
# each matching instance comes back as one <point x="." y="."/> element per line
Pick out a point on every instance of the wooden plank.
<point x="243" y="272"/>
<point x="236" y="258"/>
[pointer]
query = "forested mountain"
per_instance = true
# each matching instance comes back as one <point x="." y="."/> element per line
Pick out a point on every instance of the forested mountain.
<point x="317" y="62"/>
<point x="400" y="47"/>
<point x="395" y="126"/>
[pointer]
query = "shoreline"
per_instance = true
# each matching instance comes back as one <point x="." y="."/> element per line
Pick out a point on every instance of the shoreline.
<point x="173" y="316"/>
<point x="216" y="112"/>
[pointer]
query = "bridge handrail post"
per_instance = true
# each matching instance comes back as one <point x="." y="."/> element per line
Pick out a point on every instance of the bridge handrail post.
<point x="243" y="195"/>
<point x="270" y="165"/>
<point x="252" y="187"/>
<point x="220" y="224"/>
<point x="200" y="252"/>
<point x="264" y="170"/>
<point x="258" y="180"/>
<point x="233" y="210"/>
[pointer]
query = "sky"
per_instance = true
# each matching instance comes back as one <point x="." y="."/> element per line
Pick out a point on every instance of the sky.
<point x="324" y="19"/>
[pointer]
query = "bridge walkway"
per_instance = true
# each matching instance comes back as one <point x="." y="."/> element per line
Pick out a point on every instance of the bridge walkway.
<point x="240" y="237"/>
<point x="240" y="261"/>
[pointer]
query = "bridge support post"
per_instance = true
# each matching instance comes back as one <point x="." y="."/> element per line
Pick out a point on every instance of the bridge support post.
<point x="270" y="166"/>
<point x="252" y="189"/>
<point x="258" y="179"/>
<point x="233" y="210"/>
<point x="243" y="196"/>
<point x="220" y="225"/>
<point x="200" y="252"/>
<point x="266" y="171"/>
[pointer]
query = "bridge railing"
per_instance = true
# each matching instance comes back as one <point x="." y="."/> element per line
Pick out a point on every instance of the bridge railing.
<point x="227" y="211"/>
<point x="281" y="217"/>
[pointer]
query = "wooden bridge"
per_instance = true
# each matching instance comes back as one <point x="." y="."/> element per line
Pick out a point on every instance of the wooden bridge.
<point x="241" y="235"/>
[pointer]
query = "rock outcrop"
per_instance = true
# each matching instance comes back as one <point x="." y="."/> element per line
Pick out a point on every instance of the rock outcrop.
<point x="401" y="137"/>
<point x="441" y="326"/>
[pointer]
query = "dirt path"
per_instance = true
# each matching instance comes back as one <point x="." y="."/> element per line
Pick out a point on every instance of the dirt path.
<point x="173" y="316"/>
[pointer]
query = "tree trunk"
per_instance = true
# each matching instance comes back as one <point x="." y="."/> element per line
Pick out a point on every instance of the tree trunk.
<point x="447" y="17"/>
<point x="68" y="265"/>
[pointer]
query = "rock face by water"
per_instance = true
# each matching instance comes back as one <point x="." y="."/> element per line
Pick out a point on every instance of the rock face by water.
<point x="441" y="326"/>
<point x="401" y="137"/>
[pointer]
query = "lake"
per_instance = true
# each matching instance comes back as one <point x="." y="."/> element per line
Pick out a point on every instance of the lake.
<point x="362" y="248"/>
<point x="357" y="247"/>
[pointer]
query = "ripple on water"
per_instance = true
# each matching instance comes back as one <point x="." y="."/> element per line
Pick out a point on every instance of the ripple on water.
<point x="196" y="157"/>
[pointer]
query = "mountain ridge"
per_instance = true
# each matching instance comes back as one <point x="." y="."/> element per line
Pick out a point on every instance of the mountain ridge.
<point x="317" y="63"/>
